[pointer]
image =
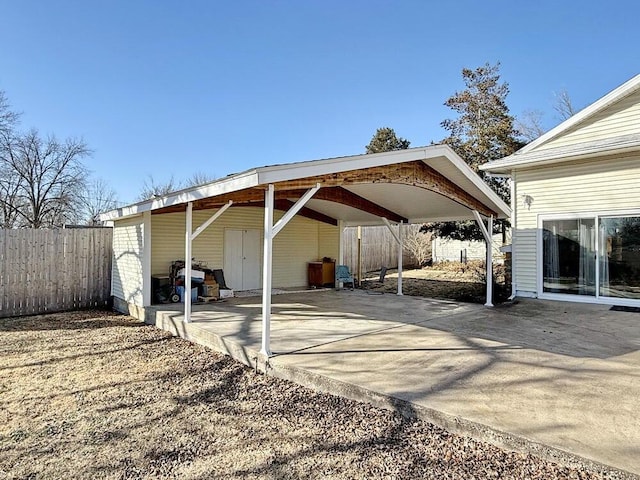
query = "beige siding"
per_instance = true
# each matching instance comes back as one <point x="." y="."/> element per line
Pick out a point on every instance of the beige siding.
<point x="605" y="185"/>
<point x="328" y="241"/>
<point x="126" y="282"/>
<point x="296" y="245"/>
<point x="621" y="118"/>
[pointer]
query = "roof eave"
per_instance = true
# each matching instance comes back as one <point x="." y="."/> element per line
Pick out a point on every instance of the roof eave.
<point x="229" y="184"/>
<point x="551" y="160"/>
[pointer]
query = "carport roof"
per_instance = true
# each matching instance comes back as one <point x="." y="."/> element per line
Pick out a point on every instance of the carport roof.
<point x="415" y="185"/>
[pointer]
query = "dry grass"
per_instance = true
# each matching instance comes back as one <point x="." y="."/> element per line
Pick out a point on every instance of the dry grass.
<point x="98" y="395"/>
<point x="448" y="281"/>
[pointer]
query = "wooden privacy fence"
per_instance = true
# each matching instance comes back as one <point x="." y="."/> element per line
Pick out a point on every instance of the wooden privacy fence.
<point x="54" y="270"/>
<point x="379" y="248"/>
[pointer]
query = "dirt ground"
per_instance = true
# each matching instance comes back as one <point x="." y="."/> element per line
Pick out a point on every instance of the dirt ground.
<point x="99" y="395"/>
<point x="449" y="281"/>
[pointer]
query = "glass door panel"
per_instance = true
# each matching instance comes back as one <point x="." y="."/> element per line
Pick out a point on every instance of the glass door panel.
<point x="620" y="257"/>
<point x="569" y="256"/>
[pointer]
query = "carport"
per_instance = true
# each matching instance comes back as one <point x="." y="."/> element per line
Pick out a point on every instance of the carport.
<point x="395" y="188"/>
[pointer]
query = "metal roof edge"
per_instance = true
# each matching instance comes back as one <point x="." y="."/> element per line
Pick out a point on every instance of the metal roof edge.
<point x="231" y="183"/>
<point x="554" y="156"/>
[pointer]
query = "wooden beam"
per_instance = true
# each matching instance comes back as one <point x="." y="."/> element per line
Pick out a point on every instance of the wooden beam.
<point x="285" y="204"/>
<point x="345" y="197"/>
<point x="416" y="174"/>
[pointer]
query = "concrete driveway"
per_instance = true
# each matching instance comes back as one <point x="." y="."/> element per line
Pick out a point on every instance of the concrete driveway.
<point x="559" y="379"/>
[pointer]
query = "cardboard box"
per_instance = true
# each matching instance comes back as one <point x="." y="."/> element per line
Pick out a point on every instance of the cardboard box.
<point x="211" y="290"/>
<point x="226" y="293"/>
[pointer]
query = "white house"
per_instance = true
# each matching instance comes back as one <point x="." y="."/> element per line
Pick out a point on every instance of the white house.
<point x="265" y="225"/>
<point x="576" y="205"/>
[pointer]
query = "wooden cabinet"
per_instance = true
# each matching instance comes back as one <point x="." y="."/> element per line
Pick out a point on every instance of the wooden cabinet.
<point x="322" y="274"/>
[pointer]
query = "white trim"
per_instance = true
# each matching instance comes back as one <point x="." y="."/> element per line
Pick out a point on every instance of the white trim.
<point x="526" y="294"/>
<point x="624" y="302"/>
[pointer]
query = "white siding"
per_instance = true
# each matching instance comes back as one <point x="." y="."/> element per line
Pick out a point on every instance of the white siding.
<point x="126" y="282"/>
<point x="604" y="185"/>
<point x="620" y="118"/>
<point x="301" y="241"/>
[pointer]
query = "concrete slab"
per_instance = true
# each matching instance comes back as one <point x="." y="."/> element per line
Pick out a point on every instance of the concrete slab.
<point x="542" y="373"/>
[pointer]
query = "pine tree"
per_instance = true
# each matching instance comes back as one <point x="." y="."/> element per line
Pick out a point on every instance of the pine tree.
<point x="385" y="140"/>
<point x="483" y="131"/>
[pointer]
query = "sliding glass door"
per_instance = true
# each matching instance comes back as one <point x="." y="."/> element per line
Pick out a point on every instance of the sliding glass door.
<point x="619" y="257"/>
<point x="592" y="257"/>
<point x="569" y="256"/>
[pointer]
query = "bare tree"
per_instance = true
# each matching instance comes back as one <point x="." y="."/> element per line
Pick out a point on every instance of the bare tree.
<point x="9" y="180"/>
<point x="50" y="178"/>
<point x="529" y="125"/>
<point x="563" y="105"/>
<point x="199" y="178"/>
<point x="8" y="118"/>
<point x="97" y="197"/>
<point x="417" y="244"/>
<point x="10" y="204"/>
<point x="152" y="189"/>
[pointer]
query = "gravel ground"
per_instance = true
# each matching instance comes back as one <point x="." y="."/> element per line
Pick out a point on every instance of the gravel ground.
<point x="99" y="395"/>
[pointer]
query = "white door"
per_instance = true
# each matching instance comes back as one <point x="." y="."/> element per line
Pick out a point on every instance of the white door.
<point x="251" y="277"/>
<point x="242" y="259"/>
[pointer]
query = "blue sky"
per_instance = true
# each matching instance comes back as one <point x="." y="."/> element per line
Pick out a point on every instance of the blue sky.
<point x="168" y="88"/>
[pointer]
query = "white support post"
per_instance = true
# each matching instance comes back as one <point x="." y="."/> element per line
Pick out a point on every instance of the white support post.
<point x="398" y="239"/>
<point x="187" y="263"/>
<point x="400" y="259"/>
<point x="487" y="234"/>
<point x="146" y="259"/>
<point x="295" y="209"/>
<point x="340" y="248"/>
<point x="213" y="218"/>
<point x="270" y="231"/>
<point x="266" y="271"/>
<point x="514" y="207"/>
<point x="341" y="229"/>
<point x="490" y="263"/>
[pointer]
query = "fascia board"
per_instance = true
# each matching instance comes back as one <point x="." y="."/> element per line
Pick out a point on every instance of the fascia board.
<point x="229" y="184"/>
<point x="555" y="157"/>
